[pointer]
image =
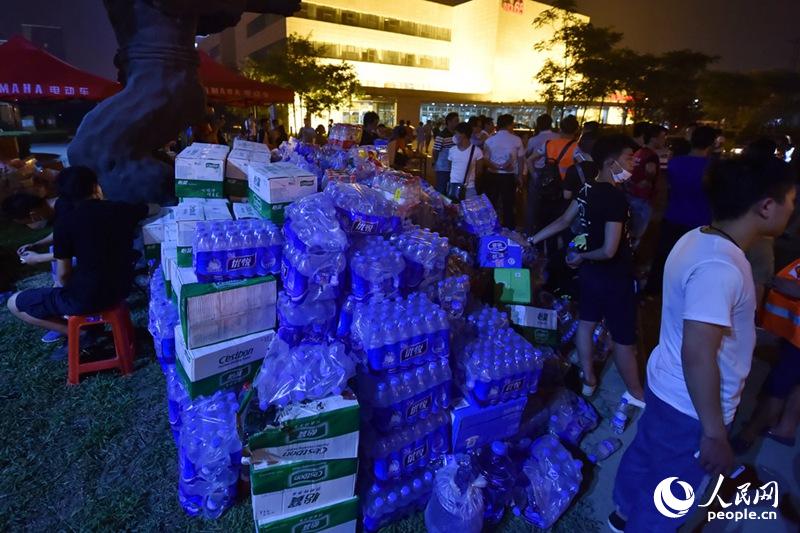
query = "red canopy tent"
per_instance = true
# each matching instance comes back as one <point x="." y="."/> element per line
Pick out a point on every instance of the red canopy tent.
<point x="226" y="86"/>
<point x="28" y="73"/>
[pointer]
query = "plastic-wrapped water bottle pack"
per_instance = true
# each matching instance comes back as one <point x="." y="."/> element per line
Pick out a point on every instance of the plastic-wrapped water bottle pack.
<point x="362" y="210"/>
<point x="400" y="333"/>
<point x="376" y="268"/>
<point x="236" y="249"/>
<point x="453" y="292"/>
<point x="384" y="503"/>
<point x="425" y="253"/>
<point x="209" y="456"/>
<point x="308" y="371"/>
<point x="163" y="317"/>
<point x="550" y="480"/>
<point x="478" y="215"/>
<point x="499" y="368"/>
<point x="310" y="320"/>
<point x="457" y="501"/>
<point x="312" y="227"/>
<point x="487" y="320"/>
<point x="401" y="399"/>
<point x="571" y="417"/>
<point x="405" y="451"/>
<point x="177" y="400"/>
<point x="399" y="187"/>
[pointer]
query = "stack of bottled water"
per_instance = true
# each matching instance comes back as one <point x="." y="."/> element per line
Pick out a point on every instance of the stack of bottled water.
<point x="571" y="417"/>
<point x="376" y="268"/>
<point x="163" y="317"/>
<point x="313" y="256"/>
<point x="452" y="293"/>
<point x="177" y="400"/>
<point x="487" y="320"/>
<point x="209" y="455"/>
<point x="399" y="187"/>
<point x="403" y="452"/>
<point x="478" y="215"/>
<point x="550" y="480"/>
<point x="499" y="367"/>
<point x="309" y="320"/>
<point x="236" y="249"/>
<point x="392" y="401"/>
<point x="363" y="210"/>
<point x="401" y="333"/>
<point x="384" y="503"/>
<point x="308" y="371"/>
<point x="425" y="253"/>
<point x="457" y="501"/>
<point x="496" y="467"/>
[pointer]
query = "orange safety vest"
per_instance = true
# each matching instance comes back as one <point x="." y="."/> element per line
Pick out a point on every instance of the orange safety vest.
<point x="781" y="314"/>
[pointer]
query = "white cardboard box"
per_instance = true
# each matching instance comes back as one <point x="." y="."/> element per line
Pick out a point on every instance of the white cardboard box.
<point x="244" y="211"/>
<point x="218" y="366"/>
<point x="200" y="170"/>
<point x="250" y="146"/>
<point x="215" y="312"/>
<point x="277" y="183"/>
<point x="340" y="517"/>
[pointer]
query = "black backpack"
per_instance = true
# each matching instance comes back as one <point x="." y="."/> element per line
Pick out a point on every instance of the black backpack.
<point x="550" y="177"/>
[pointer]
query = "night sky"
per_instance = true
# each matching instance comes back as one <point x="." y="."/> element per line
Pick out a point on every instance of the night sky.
<point x="746" y="34"/>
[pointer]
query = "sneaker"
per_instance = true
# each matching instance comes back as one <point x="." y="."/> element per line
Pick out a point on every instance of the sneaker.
<point x="639" y="404"/>
<point x="52" y="336"/>
<point x="616" y="523"/>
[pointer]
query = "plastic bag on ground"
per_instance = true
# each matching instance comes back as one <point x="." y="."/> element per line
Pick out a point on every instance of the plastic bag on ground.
<point x="457" y="500"/>
<point x="571" y="417"/>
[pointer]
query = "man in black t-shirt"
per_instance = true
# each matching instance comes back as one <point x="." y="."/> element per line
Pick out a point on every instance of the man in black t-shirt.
<point x="99" y="235"/>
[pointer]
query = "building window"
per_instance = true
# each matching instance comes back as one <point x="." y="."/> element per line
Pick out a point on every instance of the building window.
<point x="346" y="17"/>
<point x="386" y="57"/>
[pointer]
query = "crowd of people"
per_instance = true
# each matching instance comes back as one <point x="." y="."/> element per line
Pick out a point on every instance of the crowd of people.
<point x="590" y="201"/>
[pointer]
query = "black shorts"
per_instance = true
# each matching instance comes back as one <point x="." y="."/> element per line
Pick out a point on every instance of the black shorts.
<point x="785" y="375"/>
<point x="607" y="293"/>
<point x="47" y="303"/>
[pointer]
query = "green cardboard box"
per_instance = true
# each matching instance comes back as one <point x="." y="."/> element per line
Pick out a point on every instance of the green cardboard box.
<point x="339" y="517"/>
<point x="273" y="212"/>
<point x="283" y="489"/>
<point x="200" y="170"/>
<point x="538" y="326"/>
<point x="516" y="285"/>
<point x="319" y="430"/>
<point x="220" y="366"/>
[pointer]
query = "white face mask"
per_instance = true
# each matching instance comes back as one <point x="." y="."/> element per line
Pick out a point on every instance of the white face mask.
<point x="619" y="174"/>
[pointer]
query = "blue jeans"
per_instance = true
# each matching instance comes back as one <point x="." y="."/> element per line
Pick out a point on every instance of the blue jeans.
<point x="664" y="446"/>
<point x="641" y="212"/>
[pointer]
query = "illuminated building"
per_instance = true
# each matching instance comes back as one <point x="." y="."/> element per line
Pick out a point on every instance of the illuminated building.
<point x="415" y="59"/>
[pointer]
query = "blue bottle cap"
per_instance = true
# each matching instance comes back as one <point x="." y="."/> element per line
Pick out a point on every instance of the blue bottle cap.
<point x="499" y="448"/>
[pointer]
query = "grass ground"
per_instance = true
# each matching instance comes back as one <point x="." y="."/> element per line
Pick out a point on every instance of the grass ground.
<point x="100" y="456"/>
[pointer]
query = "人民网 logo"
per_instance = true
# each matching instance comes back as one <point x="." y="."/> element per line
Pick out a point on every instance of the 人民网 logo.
<point x="670" y="505"/>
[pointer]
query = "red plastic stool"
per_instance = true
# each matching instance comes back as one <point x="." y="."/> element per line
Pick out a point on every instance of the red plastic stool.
<point x="119" y="318"/>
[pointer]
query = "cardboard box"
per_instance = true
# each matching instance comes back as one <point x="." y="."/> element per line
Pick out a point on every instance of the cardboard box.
<point x="296" y="487"/>
<point x="250" y="146"/>
<point x="339" y="517"/>
<point x="153" y="233"/>
<point x="315" y="431"/>
<point x="274" y="185"/>
<point x="200" y="170"/>
<point x="169" y="253"/>
<point x="516" y="285"/>
<point x="217" y="312"/>
<point x="237" y="167"/>
<point x="475" y="426"/>
<point x="186" y="217"/>
<point x="496" y="251"/>
<point x="539" y="326"/>
<point x="244" y="211"/>
<point x="219" y="366"/>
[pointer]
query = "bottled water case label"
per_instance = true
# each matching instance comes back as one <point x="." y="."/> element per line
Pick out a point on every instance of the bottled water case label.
<point x="513" y="386"/>
<point x="241" y="262"/>
<point x="413" y="351"/>
<point x="419" y="406"/>
<point x="414" y="455"/>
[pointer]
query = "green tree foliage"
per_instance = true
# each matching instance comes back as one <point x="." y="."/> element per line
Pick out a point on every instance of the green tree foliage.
<point x="320" y="85"/>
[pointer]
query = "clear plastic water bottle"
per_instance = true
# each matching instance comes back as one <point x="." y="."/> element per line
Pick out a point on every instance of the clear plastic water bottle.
<point x="457" y="500"/>
<point x="604" y="450"/>
<point x="620" y="419"/>
<point x="497" y="469"/>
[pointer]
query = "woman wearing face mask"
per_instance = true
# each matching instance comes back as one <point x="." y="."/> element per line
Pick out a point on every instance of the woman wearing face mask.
<point x="606" y="267"/>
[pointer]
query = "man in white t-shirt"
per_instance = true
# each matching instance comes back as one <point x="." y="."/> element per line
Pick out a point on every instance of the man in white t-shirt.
<point x="466" y="163"/>
<point x="697" y="372"/>
<point x="505" y="158"/>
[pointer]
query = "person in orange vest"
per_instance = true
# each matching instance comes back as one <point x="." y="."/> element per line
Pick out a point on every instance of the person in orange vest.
<point x="777" y="414"/>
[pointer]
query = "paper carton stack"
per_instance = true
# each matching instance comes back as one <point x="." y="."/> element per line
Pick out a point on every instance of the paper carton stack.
<point x="272" y="186"/>
<point x="236" y="170"/>
<point x="182" y="227"/>
<point x="153" y="233"/>
<point x="303" y="467"/>
<point x="200" y="171"/>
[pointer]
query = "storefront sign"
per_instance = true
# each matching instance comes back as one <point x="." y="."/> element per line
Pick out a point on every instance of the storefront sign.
<point x="513" y="6"/>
